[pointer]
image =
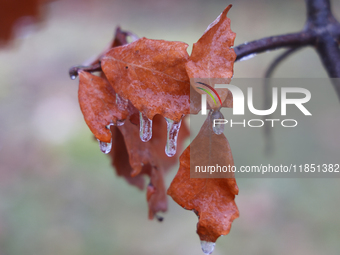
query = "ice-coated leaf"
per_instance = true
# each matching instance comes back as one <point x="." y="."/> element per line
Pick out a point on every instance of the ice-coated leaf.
<point x="156" y="192"/>
<point x="212" y="59"/>
<point x="211" y="198"/>
<point x="152" y="75"/>
<point x="97" y="101"/>
<point x="120" y="159"/>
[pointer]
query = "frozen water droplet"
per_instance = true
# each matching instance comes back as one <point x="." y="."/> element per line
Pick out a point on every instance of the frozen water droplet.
<point x="105" y="147"/>
<point x="121" y="102"/>
<point x="172" y="134"/>
<point x="73" y="72"/>
<point x="207" y="247"/>
<point x="145" y="127"/>
<point x="217" y="128"/>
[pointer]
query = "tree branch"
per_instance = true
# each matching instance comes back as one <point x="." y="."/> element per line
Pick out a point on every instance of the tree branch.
<point x="318" y="12"/>
<point x="275" y="42"/>
<point x="329" y="53"/>
<point x="334" y="30"/>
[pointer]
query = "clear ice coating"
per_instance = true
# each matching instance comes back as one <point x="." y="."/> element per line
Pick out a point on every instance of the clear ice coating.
<point x="172" y="134"/>
<point x="105" y="147"/>
<point x="121" y="102"/>
<point x="108" y="126"/>
<point x="218" y="128"/>
<point x="133" y="36"/>
<point x="145" y="127"/>
<point x="247" y="57"/>
<point x="120" y="123"/>
<point x="207" y="247"/>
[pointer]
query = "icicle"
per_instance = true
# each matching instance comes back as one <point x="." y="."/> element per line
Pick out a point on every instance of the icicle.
<point x="207" y="247"/>
<point x="145" y="127"/>
<point x="121" y="102"/>
<point x="172" y="134"/>
<point x="105" y="147"/>
<point x="218" y="128"/>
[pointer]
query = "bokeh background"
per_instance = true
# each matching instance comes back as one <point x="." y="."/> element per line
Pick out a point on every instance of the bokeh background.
<point x="58" y="192"/>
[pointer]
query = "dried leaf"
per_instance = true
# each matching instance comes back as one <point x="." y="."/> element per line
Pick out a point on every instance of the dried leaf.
<point x="148" y="158"/>
<point x="97" y="101"/>
<point x="211" y="198"/>
<point x="120" y="159"/>
<point x="212" y="58"/>
<point x="152" y="75"/>
<point x="140" y="153"/>
<point x="155" y="194"/>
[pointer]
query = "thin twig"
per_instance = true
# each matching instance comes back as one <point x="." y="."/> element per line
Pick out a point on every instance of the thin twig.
<point x="278" y="60"/>
<point x="73" y="71"/>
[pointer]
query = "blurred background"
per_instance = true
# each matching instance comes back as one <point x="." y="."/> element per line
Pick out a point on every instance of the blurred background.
<point x="58" y="192"/>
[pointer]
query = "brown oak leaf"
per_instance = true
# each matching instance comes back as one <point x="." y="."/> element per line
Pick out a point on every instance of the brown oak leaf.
<point x="146" y="158"/>
<point x="120" y="159"/>
<point x="97" y="100"/>
<point x="211" y="198"/>
<point x="212" y="58"/>
<point x="140" y="153"/>
<point x="156" y="194"/>
<point x="151" y="74"/>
